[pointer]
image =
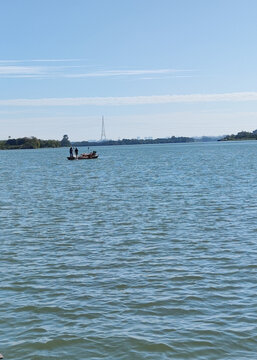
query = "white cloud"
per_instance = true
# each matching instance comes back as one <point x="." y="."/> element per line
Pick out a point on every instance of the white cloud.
<point x="133" y="100"/>
<point x="20" y="70"/>
<point x="38" y="60"/>
<point x="110" y="73"/>
<point x="53" y="68"/>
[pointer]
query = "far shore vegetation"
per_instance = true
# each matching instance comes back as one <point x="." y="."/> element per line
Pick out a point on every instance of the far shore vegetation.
<point x="35" y="143"/>
<point x="172" y="139"/>
<point x="242" y="135"/>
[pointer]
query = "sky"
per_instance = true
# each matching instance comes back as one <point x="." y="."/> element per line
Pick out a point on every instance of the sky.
<point x="152" y="68"/>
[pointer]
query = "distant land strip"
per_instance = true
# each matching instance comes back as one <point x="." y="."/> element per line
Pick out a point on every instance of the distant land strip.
<point x="242" y="135"/>
<point x="172" y="139"/>
<point x="34" y="143"/>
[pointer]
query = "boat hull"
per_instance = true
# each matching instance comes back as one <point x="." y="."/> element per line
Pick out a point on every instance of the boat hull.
<point x="88" y="157"/>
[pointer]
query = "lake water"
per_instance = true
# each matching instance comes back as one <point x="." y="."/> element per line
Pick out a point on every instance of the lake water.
<point x="149" y="252"/>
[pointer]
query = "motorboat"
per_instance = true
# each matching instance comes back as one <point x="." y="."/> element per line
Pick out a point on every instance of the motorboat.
<point x="84" y="156"/>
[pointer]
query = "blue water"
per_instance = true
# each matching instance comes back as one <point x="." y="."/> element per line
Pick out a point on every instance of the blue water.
<point x="149" y="252"/>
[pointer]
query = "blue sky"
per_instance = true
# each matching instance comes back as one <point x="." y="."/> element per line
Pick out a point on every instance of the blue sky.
<point x="152" y="67"/>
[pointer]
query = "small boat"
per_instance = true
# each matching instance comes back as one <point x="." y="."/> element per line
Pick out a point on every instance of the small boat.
<point x="84" y="156"/>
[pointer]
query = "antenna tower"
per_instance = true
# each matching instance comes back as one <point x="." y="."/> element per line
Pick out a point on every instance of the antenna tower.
<point x="103" y="136"/>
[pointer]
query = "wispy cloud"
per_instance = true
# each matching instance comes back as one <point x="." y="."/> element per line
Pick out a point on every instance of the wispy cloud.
<point x="133" y="100"/>
<point x="22" y="61"/>
<point x="112" y="73"/>
<point x="21" y="70"/>
<point x="32" y="71"/>
<point x="73" y="68"/>
<point x="166" y="77"/>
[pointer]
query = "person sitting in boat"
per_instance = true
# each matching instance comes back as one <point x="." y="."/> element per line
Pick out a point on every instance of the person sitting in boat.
<point x="76" y="152"/>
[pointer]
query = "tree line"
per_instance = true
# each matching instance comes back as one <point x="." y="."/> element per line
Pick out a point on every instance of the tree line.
<point x="33" y="143"/>
<point x="242" y="135"/>
<point x="172" y="139"/>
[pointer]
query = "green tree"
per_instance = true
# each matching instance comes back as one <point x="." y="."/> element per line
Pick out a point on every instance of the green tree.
<point x="30" y="143"/>
<point x="65" y="141"/>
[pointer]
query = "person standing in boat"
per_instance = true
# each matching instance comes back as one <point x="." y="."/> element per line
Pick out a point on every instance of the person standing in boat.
<point x="76" y="152"/>
<point x="71" y="152"/>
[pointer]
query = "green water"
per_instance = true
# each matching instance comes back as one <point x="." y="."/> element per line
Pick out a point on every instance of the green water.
<point x="148" y="252"/>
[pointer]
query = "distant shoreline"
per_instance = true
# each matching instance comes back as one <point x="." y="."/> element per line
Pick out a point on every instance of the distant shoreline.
<point x="34" y="143"/>
<point x="241" y="136"/>
<point x="246" y="139"/>
<point x="170" y="140"/>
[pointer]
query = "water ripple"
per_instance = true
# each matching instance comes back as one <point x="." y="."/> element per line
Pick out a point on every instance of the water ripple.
<point x="147" y="253"/>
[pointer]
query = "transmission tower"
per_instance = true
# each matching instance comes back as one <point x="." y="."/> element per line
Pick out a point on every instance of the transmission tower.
<point x="103" y="136"/>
